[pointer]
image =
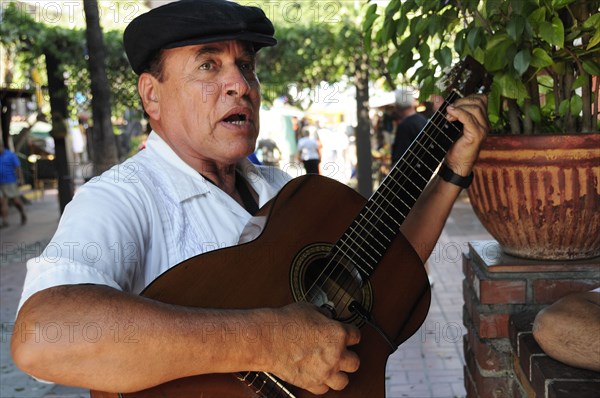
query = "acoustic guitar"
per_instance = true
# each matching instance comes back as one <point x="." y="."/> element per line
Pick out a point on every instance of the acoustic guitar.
<point x="322" y="242"/>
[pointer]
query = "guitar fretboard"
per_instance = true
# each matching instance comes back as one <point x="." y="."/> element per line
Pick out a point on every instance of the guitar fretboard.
<point x="366" y="240"/>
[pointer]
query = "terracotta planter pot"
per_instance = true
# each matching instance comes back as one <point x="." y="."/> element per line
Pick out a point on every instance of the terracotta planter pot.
<point x="539" y="196"/>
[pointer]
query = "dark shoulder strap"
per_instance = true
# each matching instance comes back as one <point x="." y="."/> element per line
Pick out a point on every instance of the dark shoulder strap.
<point x="249" y="203"/>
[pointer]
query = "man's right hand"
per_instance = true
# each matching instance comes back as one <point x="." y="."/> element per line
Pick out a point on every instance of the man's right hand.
<point x="310" y="350"/>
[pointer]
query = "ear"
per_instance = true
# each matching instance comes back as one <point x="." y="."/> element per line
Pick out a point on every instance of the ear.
<point x="148" y="88"/>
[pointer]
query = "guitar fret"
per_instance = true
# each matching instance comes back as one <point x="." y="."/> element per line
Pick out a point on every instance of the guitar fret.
<point x="360" y="248"/>
<point x="409" y="194"/>
<point x="397" y="197"/>
<point x="389" y="218"/>
<point x="410" y="180"/>
<point x="368" y="209"/>
<point x="340" y="251"/>
<point x="393" y="206"/>
<point x="351" y="259"/>
<point x="251" y="384"/>
<point x="280" y="386"/>
<point x="442" y="131"/>
<point x="373" y="227"/>
<point x="430" y="154"/>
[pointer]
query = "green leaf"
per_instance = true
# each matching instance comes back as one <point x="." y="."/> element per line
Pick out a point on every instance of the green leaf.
<point x="424" y="53"/>
<point x="591" y="67"/>
<point x="495" y="100"/>
<point x="521" y="61"/>
<point x="427" y="86"/>
<point x="558" y="4"/>
<point x="394" y="63"/>
<point x="370" y="17"/>
<point x="538" y="16"/>
<point x="435" y="24"/>
<point x="492" y="7"/>
<point x="535" y="113"/>
<point x="402" y="25"/>
<point x="446" y="57"/>
<point x="594" y="40"/>
<point x="474" y="38"/>
<point x="389" y="30"/>
<point x="421" y="25"/>
<point x="515" y="27"/>
<point x="576" y="105"/>
<point x="553" y="32"/>
<point x="496" y="52"/>
<point x="579" y="82"/>
<point x="563" y="107"/>
<point x="558" y="32"/>
<point x="592" y="22"/>
<point x="392" y="8"/>
<point x="511" y="87"/>
<point x="540" y="58"/>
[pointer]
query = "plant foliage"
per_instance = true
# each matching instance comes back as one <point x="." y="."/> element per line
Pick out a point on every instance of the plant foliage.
<point x="542" y="54"/>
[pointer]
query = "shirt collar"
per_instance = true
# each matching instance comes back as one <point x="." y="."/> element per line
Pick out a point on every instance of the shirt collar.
<point x="187" y="182"/>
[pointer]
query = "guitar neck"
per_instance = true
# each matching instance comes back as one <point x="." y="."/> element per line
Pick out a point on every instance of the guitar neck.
<point x="368" y="237"/>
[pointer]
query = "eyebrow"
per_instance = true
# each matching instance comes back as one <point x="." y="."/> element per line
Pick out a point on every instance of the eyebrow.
<point x="215" y="49"/>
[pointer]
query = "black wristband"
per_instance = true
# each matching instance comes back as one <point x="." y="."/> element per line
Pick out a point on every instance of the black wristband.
<point x="448" y="175"/>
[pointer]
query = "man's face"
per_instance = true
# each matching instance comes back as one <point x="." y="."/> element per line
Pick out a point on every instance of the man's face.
<point x="209" y="102"/>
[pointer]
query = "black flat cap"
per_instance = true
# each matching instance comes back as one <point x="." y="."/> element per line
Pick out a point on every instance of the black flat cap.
<point x="187" y="22"/>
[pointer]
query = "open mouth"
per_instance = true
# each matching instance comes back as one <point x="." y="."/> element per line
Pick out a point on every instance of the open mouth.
<point x="237" y="118"/>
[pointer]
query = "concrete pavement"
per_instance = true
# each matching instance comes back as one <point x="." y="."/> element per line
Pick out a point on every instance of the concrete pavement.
<point x="429" y="364"/>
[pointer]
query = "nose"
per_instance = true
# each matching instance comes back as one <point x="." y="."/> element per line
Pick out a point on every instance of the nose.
<point x="236" y="83"/>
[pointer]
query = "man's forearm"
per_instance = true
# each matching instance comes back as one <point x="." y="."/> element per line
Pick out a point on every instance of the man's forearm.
<point x="100" y="338"/>
<point x="427" y="218"/>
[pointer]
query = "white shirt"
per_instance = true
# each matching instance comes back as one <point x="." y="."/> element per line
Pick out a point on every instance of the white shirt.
<point x="308" y="148"/>
<point x="140" y="218"/>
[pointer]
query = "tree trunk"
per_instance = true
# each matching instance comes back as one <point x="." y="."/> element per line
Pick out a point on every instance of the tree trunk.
<point x="529" y="126"/>
<point x="59" y="116"/>
<point x="103" y="138"/>
<point x="363" y="127"/>
<point x="514" y="116"/>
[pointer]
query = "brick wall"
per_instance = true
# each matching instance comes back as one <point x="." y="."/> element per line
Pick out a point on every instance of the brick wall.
<point x="497" y="286"/>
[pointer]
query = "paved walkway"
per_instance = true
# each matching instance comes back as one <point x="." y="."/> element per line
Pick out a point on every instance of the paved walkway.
<point x="429" y="364"/>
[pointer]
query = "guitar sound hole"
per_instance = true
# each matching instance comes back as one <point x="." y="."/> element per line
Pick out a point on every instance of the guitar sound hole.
<point x="333" y="286"/>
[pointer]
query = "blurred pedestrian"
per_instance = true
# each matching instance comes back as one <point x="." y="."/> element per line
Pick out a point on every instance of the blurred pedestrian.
<point x="410" y="123"/>
<point x="309" y="151"/>
<point x="10" y="175"/>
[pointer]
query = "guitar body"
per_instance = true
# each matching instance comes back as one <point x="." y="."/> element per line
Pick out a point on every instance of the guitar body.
<point x="264" y="272"/>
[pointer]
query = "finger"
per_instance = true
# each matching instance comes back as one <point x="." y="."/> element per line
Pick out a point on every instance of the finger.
<point x="350" y="362"/>
<point x="479" y="101"/>
<point x="475" y="104"/>
<point x="471" y="119"/>
<point x="319" y="390"/>
<point x="479" y="111"/>
<point x="338" y="381"/>
<point x="352" y="335"/>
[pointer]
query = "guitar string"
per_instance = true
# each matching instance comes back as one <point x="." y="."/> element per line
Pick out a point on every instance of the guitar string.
<point x="429" y="140"/>
<point x="396" y="170"/>
<point x="373" y="226"/>
<point x="388" y="203"/>
<point x="421" y="148"/>
<point x="384" y="207"/>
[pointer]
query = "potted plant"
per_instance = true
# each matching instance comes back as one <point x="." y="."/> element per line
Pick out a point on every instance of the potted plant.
<point x="536" y="186"/>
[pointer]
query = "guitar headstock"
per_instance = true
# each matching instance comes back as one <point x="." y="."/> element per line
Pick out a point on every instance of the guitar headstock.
<point x="466" y="77"/>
